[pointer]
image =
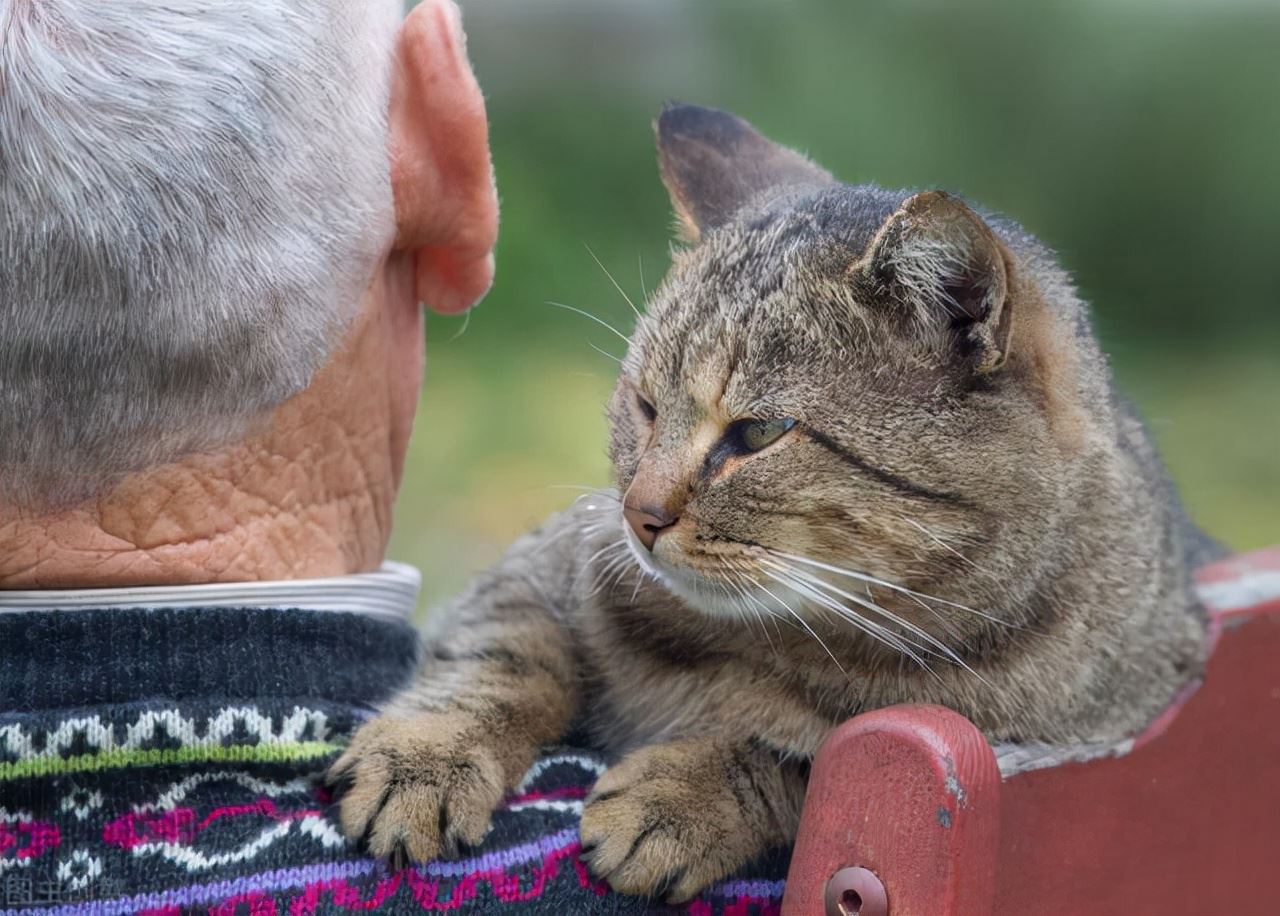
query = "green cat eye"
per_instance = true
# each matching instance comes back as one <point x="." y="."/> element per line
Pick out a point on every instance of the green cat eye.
<point x="758" y="434"/>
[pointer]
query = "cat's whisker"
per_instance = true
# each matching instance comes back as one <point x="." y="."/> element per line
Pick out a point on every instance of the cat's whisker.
<point x="616" y="284"/>
<point x="876" y="631"/>
<point x="933" y="611"/>
<point x="590" y="529"/>
<point x="640" y="265"/>
<point x="602" y="552"/>
<point x="618" y="545"/>
<point x="871" y="605"/>
<point x="871" y="629"/>
<point x="619" y="550"/>
<point x="598" y="586"/>
<point x="556" y="538"/>
<point x="603" y="352"/>
<point x="618" y="567"/>
<point x="744" y="584"/>
<point x="596" y="318"/>
<point x="937" y="540"/>
<point x="873" y="580"/>
<point x="800" y="620"/>
<point x="739" y="594"/>
<point x="748" y="582"/>
<point x="905" y="646"/>
<point x="588" y="492"/>
<point x="636" y="589"/>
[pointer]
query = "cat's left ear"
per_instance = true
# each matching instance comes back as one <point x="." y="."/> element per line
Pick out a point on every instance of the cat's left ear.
<point x="940" y="259"/>
<point x="713" y="163"/>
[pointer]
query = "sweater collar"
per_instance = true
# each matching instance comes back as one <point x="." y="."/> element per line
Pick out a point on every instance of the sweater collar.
<point x="390" y="593"/>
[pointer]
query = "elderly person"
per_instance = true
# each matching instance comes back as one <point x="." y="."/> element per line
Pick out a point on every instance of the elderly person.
<point x="217" y="224"/>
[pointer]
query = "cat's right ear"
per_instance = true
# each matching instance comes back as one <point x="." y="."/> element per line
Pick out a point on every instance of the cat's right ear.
<point x="713" y="163"/>
<point x="940" y="259"/>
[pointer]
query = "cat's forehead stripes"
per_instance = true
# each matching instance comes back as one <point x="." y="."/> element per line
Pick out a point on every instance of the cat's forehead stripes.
<point x="705" y="377"/>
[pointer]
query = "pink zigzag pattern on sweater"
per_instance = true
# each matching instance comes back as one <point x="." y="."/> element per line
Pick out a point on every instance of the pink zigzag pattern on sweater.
<point x="425" y="891"/>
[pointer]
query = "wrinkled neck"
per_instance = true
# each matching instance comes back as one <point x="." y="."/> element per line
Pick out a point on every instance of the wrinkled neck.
<point x="309" y="494"/>
<point x="248" y="513"/>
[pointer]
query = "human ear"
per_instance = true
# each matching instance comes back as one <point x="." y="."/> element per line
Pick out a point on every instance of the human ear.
<point x="441" y="173"/>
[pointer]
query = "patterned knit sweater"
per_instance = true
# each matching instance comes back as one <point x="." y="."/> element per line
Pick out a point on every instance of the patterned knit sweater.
<point x="166" y="761"/>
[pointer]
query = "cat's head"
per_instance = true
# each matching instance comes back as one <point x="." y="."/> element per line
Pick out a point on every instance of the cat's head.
<point x="838" y="392"/>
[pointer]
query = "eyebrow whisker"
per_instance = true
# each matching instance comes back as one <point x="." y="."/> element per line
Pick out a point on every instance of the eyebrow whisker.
<point x="615" y="283"/>
<point x="585" y="314"/>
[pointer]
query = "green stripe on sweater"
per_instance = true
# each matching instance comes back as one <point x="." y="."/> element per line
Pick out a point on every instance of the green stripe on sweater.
<point x="269" y="752"/>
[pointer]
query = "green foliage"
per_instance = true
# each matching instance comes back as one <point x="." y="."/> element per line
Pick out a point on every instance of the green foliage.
<point x="1138" y="138"/>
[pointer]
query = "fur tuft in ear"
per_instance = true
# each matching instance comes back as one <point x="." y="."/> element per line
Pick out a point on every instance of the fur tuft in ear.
<point x="941" y="259"/>
<point x="713" y="163"/>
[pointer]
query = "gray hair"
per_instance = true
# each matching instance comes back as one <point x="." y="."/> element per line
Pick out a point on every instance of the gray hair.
<point x="193" y="197"/>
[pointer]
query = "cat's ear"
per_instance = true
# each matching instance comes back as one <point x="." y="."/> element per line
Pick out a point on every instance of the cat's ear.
<point x="713" y="162"/>
<point x="941" y="260"/>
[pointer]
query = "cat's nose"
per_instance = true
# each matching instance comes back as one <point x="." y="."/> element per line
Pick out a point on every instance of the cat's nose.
<point x="648" y="523"/>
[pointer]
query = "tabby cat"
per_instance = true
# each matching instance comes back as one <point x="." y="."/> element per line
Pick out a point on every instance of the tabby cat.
<point x="867" y="451"/>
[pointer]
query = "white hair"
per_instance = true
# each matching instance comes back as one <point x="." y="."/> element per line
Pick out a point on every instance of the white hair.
<point x="193" y="197"/>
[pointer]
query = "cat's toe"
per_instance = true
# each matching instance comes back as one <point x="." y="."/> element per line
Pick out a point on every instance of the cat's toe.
<point x="415" y="788"/>
<point x="654" y="839"/>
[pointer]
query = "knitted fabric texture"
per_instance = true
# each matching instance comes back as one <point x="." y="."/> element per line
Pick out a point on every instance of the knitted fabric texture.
<point x="166" y="761"/>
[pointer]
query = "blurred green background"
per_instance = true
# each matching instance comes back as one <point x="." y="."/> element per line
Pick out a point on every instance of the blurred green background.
<point x="1139" y="138"/>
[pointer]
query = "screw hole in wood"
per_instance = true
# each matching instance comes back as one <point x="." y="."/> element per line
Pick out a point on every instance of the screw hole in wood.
<point x="856" y="892"/>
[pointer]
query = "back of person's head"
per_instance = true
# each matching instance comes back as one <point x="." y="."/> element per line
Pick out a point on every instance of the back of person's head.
<point x="192" y="199"/>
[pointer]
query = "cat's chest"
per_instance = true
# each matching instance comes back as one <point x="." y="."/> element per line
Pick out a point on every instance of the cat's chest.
<point x="655" y="676"/>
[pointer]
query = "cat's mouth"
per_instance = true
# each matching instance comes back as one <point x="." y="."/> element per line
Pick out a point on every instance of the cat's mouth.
<point x="746" y="581"/>
<point x="720" y="581"/>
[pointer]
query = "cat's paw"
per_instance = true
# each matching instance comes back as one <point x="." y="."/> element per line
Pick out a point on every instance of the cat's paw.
<point x="662" y="823"/>
<point x="415" y="787"/>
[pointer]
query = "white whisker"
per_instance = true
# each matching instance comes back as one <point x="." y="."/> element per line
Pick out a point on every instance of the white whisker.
<point x="863" y="577"/>
<point x="561" y="535"/>
<point x="600" y="572"/>
<point x="595" y="318"/>
<point x="873" y="606"/>
<point x="739" y="594"/>
<point x="588" y="492"/>
<point x="869" y="627"/>
<point x="742" y="585"/>
<point x="937" y="540"/>
<point x="603" y="352"/>
<point x="802" y="621"/>
<point x="636" y="590"/>
<point x="611" y="575"/>
<point x="615" y="283"/>
<point x="764" y="608"/>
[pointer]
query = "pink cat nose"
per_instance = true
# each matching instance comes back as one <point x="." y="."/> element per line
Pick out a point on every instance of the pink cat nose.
<point x="648" y="523"/>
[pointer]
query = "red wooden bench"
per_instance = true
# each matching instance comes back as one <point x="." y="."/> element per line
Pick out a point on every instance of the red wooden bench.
<point x="908" y="813"/>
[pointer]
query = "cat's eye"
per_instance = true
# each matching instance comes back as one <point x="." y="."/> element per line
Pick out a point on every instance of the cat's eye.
<point x="757" y="434"/>
<point x="650" y="412"/>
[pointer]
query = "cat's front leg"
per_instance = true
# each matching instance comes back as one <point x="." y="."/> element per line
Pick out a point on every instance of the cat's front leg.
<point x="670" y="819"/>
<point x="425" y="776"/>
<point x="413" y="786"/>
<point x="499" y="681"/>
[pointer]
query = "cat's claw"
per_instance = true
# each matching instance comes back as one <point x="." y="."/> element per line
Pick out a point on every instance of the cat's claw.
<point x="412" y="788"/>
<point x="646" y="830"/>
